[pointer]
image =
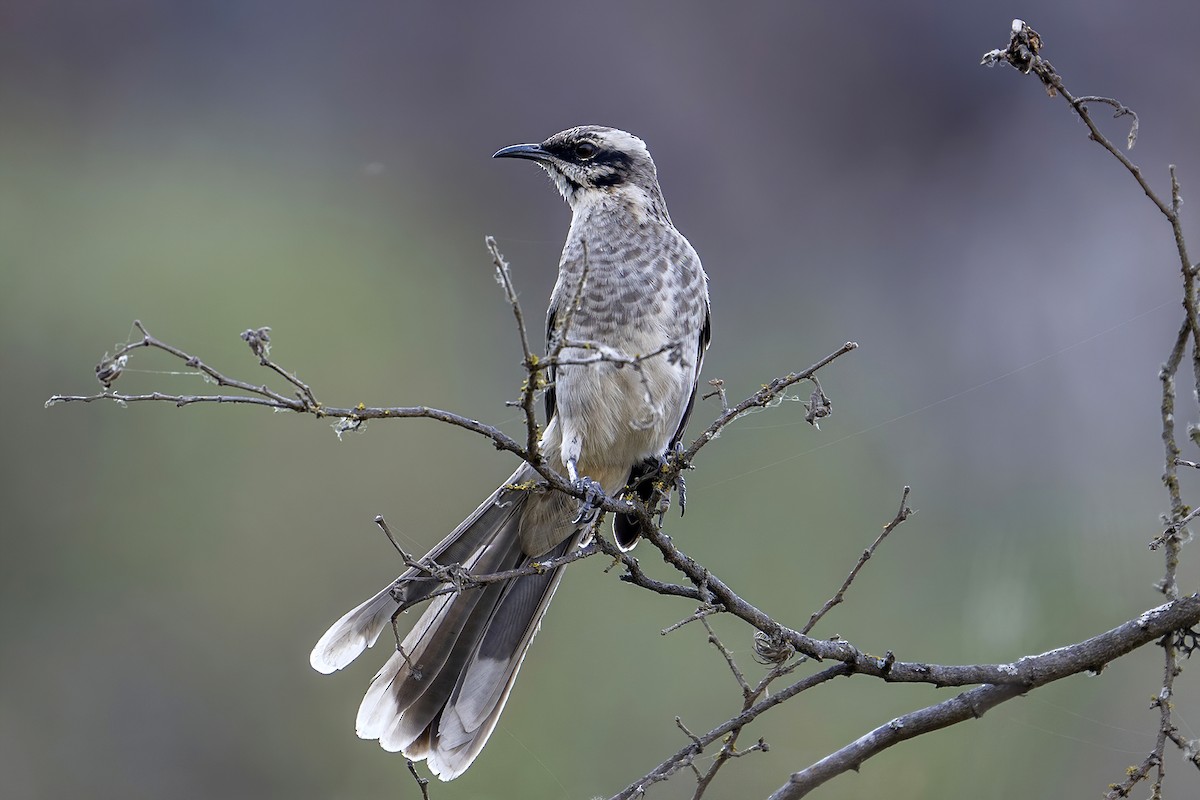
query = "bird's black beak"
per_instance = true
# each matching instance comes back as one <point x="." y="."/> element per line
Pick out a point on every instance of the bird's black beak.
<point x="533" y="152"/>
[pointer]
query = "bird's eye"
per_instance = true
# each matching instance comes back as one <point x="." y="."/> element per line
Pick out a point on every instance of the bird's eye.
<point x="585" y="150"/>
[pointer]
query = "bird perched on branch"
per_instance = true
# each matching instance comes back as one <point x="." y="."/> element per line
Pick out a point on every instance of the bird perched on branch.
<point x="629" y="284"/>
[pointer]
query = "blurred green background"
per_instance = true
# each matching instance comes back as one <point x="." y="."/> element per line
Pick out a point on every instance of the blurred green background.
<point x="846" y="172"/>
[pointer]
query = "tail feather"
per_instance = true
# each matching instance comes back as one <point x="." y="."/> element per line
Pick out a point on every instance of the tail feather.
<point x="379" y="709"/>
<point x="423" y="745"/>
<point x="413" y="730"/>
<point x="440" y="694"/>
<point x="413" y="685"/>
<point x="353" y="633"/>
<point x="498" y="656"/>
<point x="474" y="708"/>
<point x="359" y="628"/>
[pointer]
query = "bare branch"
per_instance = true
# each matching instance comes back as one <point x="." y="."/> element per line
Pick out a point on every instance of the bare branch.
<point x="1173" y="530"/>
<point x="674" y="763"/>
<point x="718" y="391"/>
<point x="904" y="513"/>
<point x="716" y="642"/>
<point x="422" y="783"/>
<point x="1040" y="670"/>
<point x="971" y="704"/>
<point x="460" y="580"/>
<point x="1090" y="654"/>
<point x="760" y="399"/>
<point x="504" y="277"/>
<point x="1121" y="111"/>
<point x="699" y="614"/>
<point x="535" y="378"/>
<point x="352" y="419"/>
<point x="1023" y="53"/>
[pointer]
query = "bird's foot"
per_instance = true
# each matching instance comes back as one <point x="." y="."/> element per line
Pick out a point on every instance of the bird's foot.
<point x="660" y="467"/>
<point x="592" y="494"/>
<point x="681" y="490"/>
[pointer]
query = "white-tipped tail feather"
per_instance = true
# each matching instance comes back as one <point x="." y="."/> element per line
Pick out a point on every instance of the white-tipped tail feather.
<point x="441" y="692"/>
<point x="353" y="633"/>
<point x="359" y="628"/>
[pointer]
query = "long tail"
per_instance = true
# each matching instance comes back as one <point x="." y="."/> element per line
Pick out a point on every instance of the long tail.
<point x="441" y="693"/>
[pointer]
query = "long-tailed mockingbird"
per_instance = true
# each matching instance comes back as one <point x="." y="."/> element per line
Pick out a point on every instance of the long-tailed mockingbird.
<point x="637" y="288"/>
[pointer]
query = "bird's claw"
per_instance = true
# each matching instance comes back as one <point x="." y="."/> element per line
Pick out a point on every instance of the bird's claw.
<point x="592" y="493"/>
<point x="666" y="464"/>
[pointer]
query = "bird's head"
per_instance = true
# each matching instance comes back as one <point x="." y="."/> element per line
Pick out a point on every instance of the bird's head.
<point x="593" y="159"/>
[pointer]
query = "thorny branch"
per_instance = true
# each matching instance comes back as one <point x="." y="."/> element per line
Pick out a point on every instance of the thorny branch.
<point x="783" y="648"/>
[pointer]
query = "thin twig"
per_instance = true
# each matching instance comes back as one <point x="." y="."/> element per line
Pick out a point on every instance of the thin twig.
<point x="676" y="761"/>
<point x="971" y="704"/>
<point x="422" y="783"/>
<point x="459" y="579"/>
<point x="699" y="614"/>
<point x="716" y="642"/>
<point x="904" y="513"/>
<point x="534" y="369"/>
<point x="719" y="392"/>
<point x="504" y="277"/>
<point x="760" y="399"/>
<point x="1173" y="529"/>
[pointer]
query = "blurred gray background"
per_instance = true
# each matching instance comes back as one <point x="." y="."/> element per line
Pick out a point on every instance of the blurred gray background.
<point x="845" y="171"/>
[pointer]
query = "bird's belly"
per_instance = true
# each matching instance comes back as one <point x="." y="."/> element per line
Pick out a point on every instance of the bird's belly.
<point x="621" y="413"/>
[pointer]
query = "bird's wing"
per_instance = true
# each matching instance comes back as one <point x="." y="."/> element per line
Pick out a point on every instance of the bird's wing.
<point x="702" y="345"/>
<point x="551" y="324"/>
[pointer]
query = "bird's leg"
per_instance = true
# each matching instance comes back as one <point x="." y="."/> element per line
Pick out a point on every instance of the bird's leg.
<point x="680" y="483"/>
<point x="656" y="468"/>
<point x="592" y="490"/>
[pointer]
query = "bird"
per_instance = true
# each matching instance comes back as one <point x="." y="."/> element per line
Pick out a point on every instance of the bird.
<point x="629" y="283"/>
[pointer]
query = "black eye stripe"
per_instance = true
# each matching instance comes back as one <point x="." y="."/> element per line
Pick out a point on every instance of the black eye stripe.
<point x="569" y="151"/>
<point x="605" y="167"/>
<point x="566" y="150"/>
<point x="621" y="162"/>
